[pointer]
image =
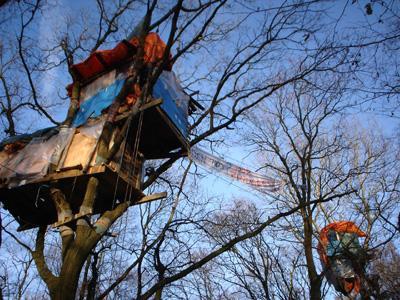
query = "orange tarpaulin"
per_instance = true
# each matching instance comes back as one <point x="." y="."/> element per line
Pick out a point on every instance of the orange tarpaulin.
<point x="102" y="60"/>
<point x="340" y="227"/>
<point x="352" y="286"/>
<point x="154" y="48"/>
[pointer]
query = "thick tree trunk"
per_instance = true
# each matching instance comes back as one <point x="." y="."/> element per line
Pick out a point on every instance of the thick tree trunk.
<point x="65" y="286"/>
<point x="67" y="283"/>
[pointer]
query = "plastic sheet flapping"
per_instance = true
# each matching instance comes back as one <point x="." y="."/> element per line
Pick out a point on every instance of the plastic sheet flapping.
<point x="235" y="172"/>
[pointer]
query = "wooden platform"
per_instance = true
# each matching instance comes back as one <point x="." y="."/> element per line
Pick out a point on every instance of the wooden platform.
<point x="31" y="203"/>
<point x="32" y="206"/>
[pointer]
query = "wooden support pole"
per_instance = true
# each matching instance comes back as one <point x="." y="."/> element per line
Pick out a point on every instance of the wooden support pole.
<point x="104" y="142"/>
<point x="74" y="105"/>
<point x="63" y="208"/>
<point x="90" y="196"/>
<point x="64" y="214"/>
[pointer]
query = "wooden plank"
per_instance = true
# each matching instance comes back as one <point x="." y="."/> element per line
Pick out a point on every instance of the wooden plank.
<point x="150" y="198"/>
<point x="74" y="217"/>
<point x="71" y="173"/>
<point x="76" y="167"/>
<point x="145" y="106"/>
<point x="150" y="104"/>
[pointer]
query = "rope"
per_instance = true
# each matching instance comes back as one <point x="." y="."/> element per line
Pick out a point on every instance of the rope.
<point x="72" y="189"/>
<point x="132" y="167"/>
<point x="122" y="237"/>
<point x="135" y="151"/>
<point x="38" y="194"/>
<point x="120" y="161"/>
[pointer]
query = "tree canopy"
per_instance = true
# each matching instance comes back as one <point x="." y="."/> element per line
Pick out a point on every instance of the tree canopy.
<point x="305" y="92"/>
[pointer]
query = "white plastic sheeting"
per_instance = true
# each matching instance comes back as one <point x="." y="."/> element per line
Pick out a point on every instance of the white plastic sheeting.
<point x="34" y="159"/>
<point x="69" y="147"/>
<point x="235" y="172"/>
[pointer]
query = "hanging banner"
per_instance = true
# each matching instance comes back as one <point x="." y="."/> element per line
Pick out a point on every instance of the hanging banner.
<point x="235" y="172"/>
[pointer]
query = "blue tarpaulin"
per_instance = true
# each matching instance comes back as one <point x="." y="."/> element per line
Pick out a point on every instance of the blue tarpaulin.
<point x="175" y="101"/>
<point x="93" y="106"/>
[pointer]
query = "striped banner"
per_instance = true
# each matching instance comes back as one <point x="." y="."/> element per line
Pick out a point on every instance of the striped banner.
<point x="235" y="172"/>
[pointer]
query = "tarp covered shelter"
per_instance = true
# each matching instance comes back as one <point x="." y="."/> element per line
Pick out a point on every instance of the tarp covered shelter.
<point x="342" y="256"/>
<point x="67" y="156"/>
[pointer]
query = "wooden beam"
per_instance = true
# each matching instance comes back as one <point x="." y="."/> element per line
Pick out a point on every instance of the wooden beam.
<point x="152" y="103"/>
<point x="150" y="198"/>
<point x="74" y="217"/>
<point x="145" y="106"/>
<point x="70" y="173"/>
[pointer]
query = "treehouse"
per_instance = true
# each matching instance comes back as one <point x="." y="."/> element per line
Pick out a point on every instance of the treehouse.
<point x="109" y="132"/>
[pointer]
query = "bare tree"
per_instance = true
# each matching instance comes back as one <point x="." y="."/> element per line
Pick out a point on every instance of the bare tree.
<point x="304" y="138"/>
<point x="386" y="269"/>
<point x="251" y="59"/>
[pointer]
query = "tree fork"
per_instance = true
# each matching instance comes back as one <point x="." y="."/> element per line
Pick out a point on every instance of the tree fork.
<point x="64" y="212"/>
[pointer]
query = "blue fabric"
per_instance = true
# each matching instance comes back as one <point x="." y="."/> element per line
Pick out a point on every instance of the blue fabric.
<point x="93" y="106"/>
<point x="334" y="248"/>
<point x="175" y="113"/>
<point x="347" y="243"/>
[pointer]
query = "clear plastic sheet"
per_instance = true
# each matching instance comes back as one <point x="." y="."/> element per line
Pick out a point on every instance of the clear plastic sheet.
<point x="32" y="162"/>
<point x="64" y="136"/>
<point x="342" y="268"/>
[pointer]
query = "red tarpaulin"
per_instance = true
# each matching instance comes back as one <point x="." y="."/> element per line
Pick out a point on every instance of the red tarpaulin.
<point x="102" y="60"/>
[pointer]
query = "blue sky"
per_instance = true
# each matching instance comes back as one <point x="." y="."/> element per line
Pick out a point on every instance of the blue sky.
<point x="55" y="80"/>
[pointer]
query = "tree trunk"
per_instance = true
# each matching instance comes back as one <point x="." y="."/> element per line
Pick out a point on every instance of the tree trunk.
<point x="315" y="291"/>
<point x="314" y="278"/>
<point x="67" y="283"/>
